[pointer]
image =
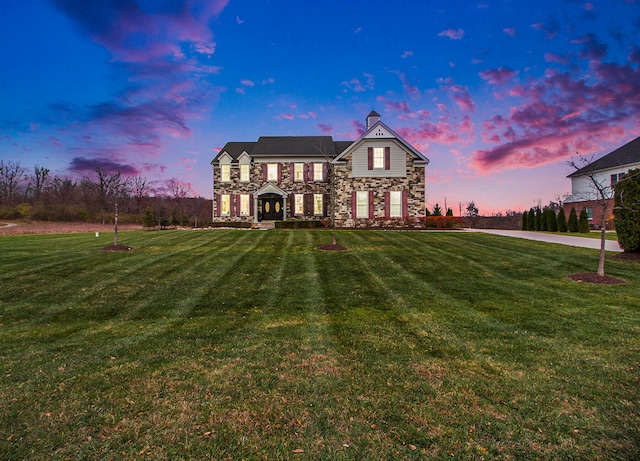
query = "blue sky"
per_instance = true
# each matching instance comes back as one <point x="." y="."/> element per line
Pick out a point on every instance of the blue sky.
<point x="498" y="94"/>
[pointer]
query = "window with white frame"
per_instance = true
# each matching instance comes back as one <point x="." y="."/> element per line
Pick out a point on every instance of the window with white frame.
<point x="317" y="204"/>
<point x="299" y="204"/>
<point x="272" y="172"/>
<point x="298" y="171"/>
<point x="395" y="204"/>
<point x="244" y="205"/>
<point x="244" y="173"/>
<point x="378" y="157"/>
<point x="616" y="178"/>
<point x="589" y="212"/>
<point x="225" y="173"/>
<point x="317" y="172"/>
<point x="362" y="204"/>
<point x="225" y="204"/>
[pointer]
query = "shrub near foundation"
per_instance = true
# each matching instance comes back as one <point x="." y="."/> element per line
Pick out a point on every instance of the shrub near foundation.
<point x="626" y="211"/>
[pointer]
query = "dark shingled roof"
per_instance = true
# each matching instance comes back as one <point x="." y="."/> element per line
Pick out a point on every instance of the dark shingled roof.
<point x="283" y="146"/>
<point x="341" y="146"/>
<point x="294" y="146"/>
<point x="629" y="153"/>
<point x="235" y="149"/>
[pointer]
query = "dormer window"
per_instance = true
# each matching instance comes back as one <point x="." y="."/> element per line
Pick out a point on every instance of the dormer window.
<point x="244" y="173"/>
<point x="225" y="173"/>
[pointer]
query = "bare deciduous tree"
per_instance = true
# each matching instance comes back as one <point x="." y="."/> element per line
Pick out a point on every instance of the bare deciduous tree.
<point x="12" y="175"/>
<point x="38" y="182"/>
<point x="603" y="194"/>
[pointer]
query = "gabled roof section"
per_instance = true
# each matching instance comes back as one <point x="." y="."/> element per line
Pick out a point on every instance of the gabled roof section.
<point x="271" y="188"/>
<point x="386" y="133"/>
<point x="625" y="155"/>
<point x="294" y="146"/>
<point x="235" y="150"/>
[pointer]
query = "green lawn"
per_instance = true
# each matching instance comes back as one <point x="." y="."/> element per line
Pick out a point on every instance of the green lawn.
<point x="254" y="345"/>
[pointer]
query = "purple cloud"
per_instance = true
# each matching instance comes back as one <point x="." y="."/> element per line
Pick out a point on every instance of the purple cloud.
<point x="155" y="49"/>
<point x="551" y="29"/>
<point x="325" y="128"/>
<point x="562" y="112"/>
<point x="497" y="76"/>
<point x="86" y="165"/>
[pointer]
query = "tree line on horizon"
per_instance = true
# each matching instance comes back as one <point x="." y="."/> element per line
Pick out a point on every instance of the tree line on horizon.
<point x="39" y="195"/>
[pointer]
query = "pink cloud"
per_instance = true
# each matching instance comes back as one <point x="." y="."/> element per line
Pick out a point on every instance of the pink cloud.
<point x="510" y="31"/>
<point x="497" y="76"/>
<point x="562" y="111"/>
<point x="406" y="54"/>
<point x="453" y="34"/>
<point x="288" y="116"/>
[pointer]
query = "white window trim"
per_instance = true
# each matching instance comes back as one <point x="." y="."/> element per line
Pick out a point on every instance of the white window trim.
<point x="272" y="172"/>
<point x="225" y="173"/>
<point x="248" y="172"/>
<point x="245" y="205"/>
<point x="298" y="205"/>
<point x="298" y="168"/>
<point x="362" y="203"/>
<point x="318" y="172"/>
<point x="378" y="158"/>
<point x="395" y="202"/>
<point x="315" y="203"/>
<point x="225" y="198"/>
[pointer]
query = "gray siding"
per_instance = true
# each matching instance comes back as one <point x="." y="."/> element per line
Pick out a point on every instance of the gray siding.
<point x="361" y="161"/>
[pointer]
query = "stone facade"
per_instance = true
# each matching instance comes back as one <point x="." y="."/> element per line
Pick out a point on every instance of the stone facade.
<point x="413" y="183"/>
<point x="379" y="154"/>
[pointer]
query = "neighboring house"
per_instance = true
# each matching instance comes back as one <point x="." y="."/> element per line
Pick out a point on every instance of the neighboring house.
<point x="607" y="171"/>
<point x="379" y="175"/>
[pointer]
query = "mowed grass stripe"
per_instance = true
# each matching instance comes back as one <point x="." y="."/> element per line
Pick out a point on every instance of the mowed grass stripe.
<point x="255" y="344"/>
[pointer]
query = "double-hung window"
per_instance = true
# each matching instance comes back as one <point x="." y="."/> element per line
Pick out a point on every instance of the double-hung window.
<point x="395" y="204"/>
<point x="272" y="172"/>
<point x="299" y="204"/>
<point x="225" y="173"/>
<point x="244" y="205"/>
<point x="362" y="204"/>
<point x="244" y="172"/>
<point x="298" y="171"/>
<point x="378" y="158"/>
<point x="317" y="204"/>
<point x="318" y="172"/>
<point x="225" y="204"/>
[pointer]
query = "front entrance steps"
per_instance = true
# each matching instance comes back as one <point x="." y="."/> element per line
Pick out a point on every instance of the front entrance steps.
<point x="263" y="225"/>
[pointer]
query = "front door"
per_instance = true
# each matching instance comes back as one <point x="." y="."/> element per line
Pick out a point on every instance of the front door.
<point x="270" y="208"/>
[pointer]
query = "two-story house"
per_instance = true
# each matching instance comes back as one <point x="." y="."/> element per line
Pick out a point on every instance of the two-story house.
<point x="607" y="171"/>
<point x="379" y="175"/>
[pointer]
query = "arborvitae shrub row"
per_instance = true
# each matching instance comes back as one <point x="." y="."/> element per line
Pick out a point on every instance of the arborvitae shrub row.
<point x="626" y="211"/>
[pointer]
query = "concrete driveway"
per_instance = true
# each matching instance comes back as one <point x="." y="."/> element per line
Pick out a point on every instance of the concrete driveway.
<point x="562" y="239"/>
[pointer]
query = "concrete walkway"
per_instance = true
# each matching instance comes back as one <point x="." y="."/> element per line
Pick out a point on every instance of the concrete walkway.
<point x="562" y="239"/>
